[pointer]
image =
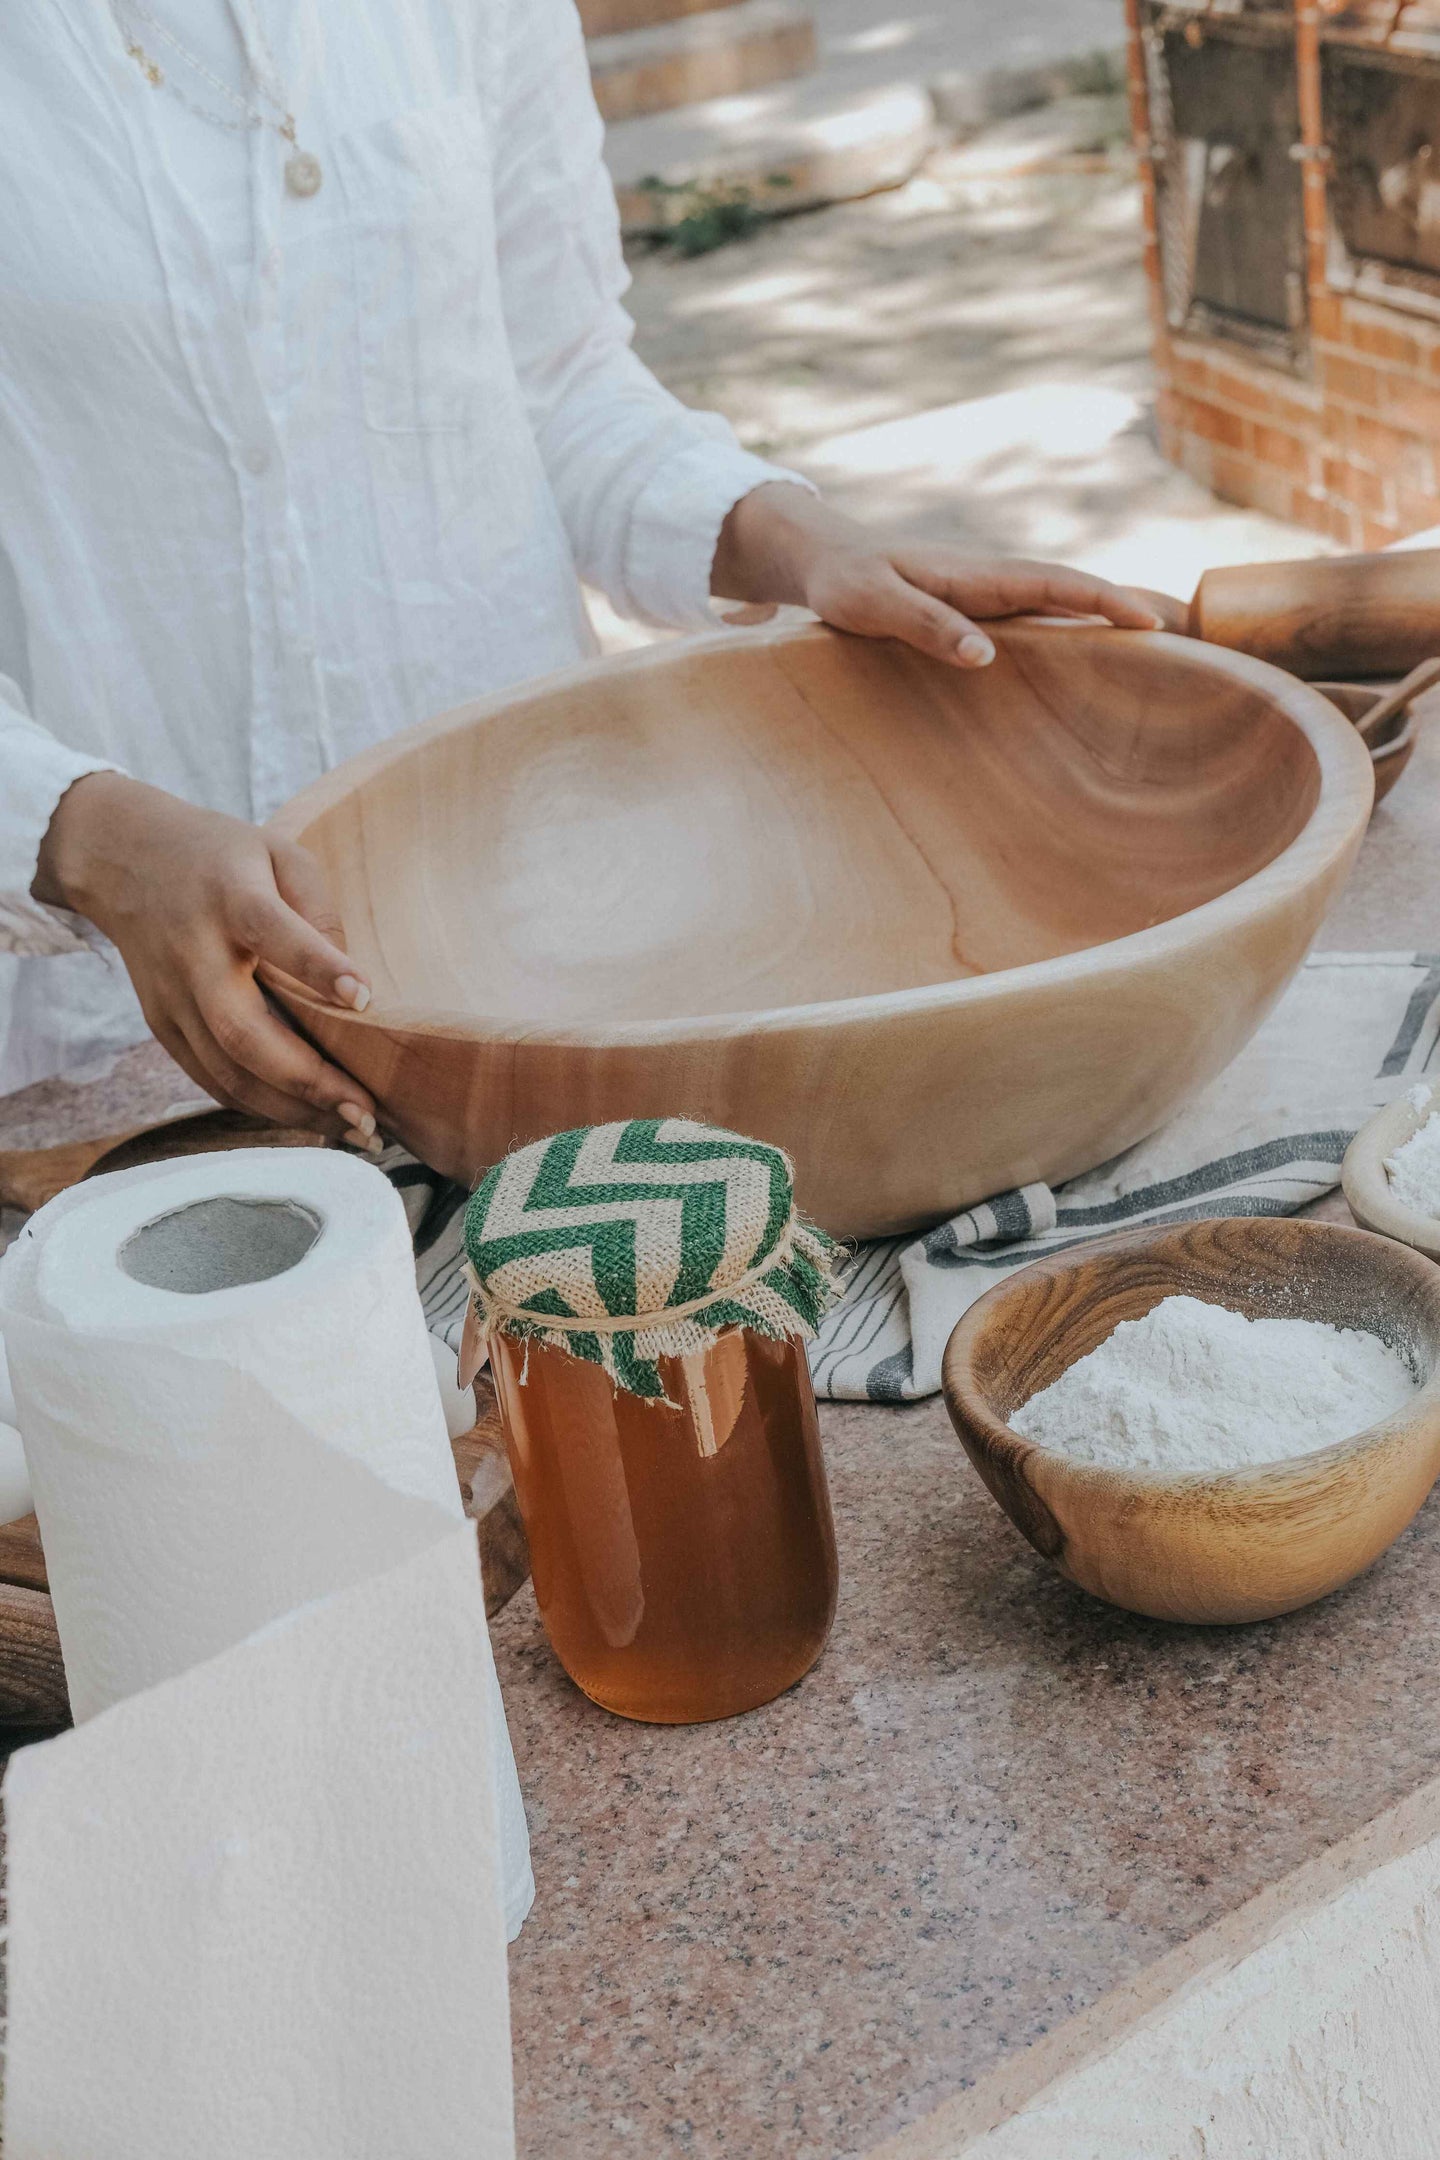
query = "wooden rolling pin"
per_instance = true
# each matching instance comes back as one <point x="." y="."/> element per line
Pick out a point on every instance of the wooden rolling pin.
<point x="1339" y="616"/>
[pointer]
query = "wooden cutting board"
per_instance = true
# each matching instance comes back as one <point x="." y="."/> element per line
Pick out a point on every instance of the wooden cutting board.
<point x="33" y="1697"/>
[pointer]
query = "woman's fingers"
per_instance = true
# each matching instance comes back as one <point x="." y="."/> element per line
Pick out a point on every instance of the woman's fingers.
<point x="1028" y="588"/>
<point x="937" y="601"/>
<point x="300" y="880"/>
<point x="263" y="1065"/>
<point x="198" y="903"/>
<point x="871" y="597"/>
<point x="276" y="934"/>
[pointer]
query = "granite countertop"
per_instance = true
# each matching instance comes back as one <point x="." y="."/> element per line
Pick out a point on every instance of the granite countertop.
<point x="993" y="1800"/>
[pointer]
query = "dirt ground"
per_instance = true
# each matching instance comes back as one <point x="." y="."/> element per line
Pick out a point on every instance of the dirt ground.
<point x="968" y="354"/>
<point x="966" y="281"/>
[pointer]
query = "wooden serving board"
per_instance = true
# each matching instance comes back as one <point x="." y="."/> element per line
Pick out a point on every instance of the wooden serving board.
<point x="33" y="1697"/>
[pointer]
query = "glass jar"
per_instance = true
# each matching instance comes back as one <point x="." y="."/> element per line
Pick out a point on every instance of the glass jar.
<point x="683" y="1551"/>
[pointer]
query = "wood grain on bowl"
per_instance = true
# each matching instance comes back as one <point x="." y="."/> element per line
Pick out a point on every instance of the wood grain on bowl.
<point x="1235" y="1546"/>
<point x="934" y="932"/>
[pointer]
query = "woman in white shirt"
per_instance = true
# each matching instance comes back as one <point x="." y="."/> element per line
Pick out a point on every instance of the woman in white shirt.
<point x="316" y="402"/>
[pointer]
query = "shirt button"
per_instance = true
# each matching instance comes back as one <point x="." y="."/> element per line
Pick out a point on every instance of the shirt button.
<point x="256" y="460"/>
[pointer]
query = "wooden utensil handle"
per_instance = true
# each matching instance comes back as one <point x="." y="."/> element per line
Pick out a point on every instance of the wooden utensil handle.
<point x="1419" y="680"/>
<point x="1341" y="616"/>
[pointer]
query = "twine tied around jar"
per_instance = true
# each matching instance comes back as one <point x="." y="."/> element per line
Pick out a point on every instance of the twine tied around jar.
<point x="626" y="1243"/>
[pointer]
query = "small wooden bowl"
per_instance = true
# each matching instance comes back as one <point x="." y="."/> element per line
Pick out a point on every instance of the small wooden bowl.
<point x="1366" y="1181"/>
<point x="1245" y="1544"/>
<point x="1398" y="737"/>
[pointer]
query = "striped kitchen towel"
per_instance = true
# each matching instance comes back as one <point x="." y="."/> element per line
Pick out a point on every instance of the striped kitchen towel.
<point x="1266" y="1138"/>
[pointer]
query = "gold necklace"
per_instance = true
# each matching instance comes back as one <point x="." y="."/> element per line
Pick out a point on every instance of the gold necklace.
<point x="303" y="170"/>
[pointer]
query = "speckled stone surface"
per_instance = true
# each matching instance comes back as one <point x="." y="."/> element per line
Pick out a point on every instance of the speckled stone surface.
<point x="992" y="1800"/>
<point x="785" y="1937"/>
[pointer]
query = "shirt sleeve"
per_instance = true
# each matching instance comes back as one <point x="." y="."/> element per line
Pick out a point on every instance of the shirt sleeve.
<point x="644" y="483"/>
<point x="35" y="771"/>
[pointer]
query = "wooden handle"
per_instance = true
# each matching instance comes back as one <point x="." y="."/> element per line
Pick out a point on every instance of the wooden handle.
<point x="33" y="1695"/>
<point x="1342" y="616"/>
<point x="1415" y="684"/>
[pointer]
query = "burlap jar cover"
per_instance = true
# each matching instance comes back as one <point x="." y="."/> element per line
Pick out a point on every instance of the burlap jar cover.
<point x="626" y="1243"/>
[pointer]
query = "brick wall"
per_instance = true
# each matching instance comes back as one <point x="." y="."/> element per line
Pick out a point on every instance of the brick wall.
<point x="1350" y="447"/>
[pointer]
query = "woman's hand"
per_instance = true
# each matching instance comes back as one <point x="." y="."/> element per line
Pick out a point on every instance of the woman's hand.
<point x="781" y="545"/>
<point x="198" y="906"/>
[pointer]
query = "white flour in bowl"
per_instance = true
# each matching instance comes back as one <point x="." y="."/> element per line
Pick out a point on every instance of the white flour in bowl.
<point x="1197" y="1388"/>
<point x="1414" y="1169"/>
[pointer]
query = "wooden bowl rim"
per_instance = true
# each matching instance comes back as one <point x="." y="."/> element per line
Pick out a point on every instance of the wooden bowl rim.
<point x="1404" y="722"/>
<point x="964" y="1400"/>
<point x="1366" y="1182"/>
<point x="1341" y="812"/>
<point x="1405" y="740"/>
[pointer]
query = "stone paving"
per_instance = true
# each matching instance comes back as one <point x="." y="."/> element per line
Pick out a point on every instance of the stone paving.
<point x="966" y="355"/>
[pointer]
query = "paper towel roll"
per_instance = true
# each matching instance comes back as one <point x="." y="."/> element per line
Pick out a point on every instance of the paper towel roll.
<point x="236" y="1443"/>
<point x="7" y="1400"/>
<point x="15" y="1495"/>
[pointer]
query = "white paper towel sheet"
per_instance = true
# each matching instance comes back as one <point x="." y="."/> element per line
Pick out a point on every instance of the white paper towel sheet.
<point x="258" y="1898"/>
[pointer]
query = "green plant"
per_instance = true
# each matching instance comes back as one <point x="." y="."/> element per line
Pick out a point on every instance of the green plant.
<point x="1095" y="74"/>
<point x="704" y="215"/>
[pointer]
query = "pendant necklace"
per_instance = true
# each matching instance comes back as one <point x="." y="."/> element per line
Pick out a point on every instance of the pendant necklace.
<point x="303" y="171"/>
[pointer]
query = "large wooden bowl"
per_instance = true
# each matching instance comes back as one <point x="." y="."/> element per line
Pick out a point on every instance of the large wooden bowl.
<point x="935" y="933"/>
<point x="1247" y="1544"/>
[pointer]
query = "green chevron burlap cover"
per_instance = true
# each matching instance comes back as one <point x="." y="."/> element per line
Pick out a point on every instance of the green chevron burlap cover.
<point x="674" y="1230"/>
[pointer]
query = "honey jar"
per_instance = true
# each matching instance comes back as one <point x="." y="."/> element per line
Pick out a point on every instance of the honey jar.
<point x="646" y="1290"/>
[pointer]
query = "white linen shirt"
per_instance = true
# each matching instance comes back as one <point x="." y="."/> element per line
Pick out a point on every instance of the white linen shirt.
<point x="251" y="524"/>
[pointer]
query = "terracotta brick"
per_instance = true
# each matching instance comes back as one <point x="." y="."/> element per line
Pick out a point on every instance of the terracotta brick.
<point x="1272" y="491"/>
<point x="1273" y="446"/>
<point x="1232" y="477"/>
<point x="1214" y="424"/>
<point x="1189" y="371"/>
<point x="1414" y="512"/>
<point x="1401" y="457"/>
<point x="1362" y="489"/>
<point x="1327" y="318"/>
<point x="1345" y="526"/>
<point x="1241" y="390"/>
<point x="1412" y="405"/>
<point x="1353" y="380"/>
<point x="1379" y="342"/>
<point x="1195" y="457"/>
<point x="1332" y="519"/>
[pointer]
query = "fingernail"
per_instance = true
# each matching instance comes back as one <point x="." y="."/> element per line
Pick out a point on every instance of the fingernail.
<point x="1157" y="622"/>
<point x="363" y="1145"/>
<point x="352" y="1113"/>
<point x="976" y="651"/>
<point x="351" y="991"/>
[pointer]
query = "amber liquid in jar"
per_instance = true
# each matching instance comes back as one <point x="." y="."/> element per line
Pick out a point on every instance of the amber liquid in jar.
<point x="683" y="1559"/>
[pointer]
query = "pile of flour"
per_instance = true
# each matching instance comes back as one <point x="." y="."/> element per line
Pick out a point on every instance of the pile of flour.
<point x="1196" y="1387"/>
<point x="1415" y="1168"/>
